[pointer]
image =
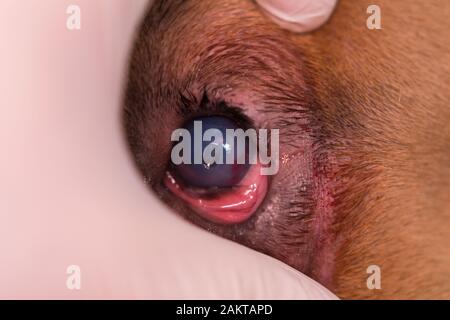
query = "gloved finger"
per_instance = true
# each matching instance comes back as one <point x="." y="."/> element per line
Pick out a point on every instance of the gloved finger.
<point x="299" y="15"/>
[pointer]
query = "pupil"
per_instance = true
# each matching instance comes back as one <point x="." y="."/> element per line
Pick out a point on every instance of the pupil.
<point x="209" y="175"/>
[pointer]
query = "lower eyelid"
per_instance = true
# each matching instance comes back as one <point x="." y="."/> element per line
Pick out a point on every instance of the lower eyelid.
<point x="229" y="208"/>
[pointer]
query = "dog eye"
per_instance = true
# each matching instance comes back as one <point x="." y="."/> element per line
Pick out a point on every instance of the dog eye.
<point x="207" y="173"/>
<point x="215" y="171"/>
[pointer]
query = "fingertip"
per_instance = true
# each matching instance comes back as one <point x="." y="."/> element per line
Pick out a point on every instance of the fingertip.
<point x="298" y="15"/>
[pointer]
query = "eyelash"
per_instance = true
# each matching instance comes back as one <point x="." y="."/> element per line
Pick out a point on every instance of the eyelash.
<point x="191" y="107"/>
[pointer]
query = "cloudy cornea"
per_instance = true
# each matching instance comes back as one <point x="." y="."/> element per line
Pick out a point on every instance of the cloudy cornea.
<point x="213" y="153"/>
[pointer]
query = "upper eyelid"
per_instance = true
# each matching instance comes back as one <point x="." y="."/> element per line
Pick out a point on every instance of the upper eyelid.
<point x="192" y="107"/>
<point x="262" y="59"/>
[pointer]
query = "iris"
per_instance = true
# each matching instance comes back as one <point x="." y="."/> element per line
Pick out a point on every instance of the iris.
<point x="213" y="175"/>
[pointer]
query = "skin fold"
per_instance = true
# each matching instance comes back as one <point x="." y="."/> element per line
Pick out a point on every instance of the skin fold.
<point x="363" y="117"/>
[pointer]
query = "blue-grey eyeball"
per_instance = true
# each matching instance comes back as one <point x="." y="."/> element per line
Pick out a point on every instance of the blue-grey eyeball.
<point x="204" y="175"/>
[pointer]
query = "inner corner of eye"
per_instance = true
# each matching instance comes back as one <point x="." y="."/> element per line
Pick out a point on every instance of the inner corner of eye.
<point x="214" y="169"/>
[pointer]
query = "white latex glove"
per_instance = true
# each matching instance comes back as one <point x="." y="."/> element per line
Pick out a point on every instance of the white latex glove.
<point x="299" y="15"/>
<point x="69" y="192"/>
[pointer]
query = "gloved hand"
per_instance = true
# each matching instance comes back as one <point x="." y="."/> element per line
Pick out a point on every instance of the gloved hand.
<point x="70" y="193"/>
